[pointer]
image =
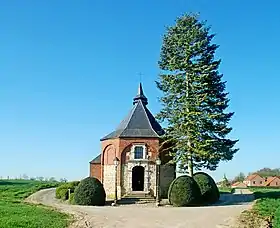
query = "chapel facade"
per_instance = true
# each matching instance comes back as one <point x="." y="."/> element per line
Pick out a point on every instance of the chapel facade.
<point x="136" y="143"/>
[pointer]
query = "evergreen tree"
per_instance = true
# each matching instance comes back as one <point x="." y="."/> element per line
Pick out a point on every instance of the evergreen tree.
<point x="194" y="99"/>
<point x="225" y="182"/>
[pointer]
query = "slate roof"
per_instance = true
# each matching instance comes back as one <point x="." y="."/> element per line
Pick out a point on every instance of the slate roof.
<point x="139" y="122"/>
<point x="96" y="160"/>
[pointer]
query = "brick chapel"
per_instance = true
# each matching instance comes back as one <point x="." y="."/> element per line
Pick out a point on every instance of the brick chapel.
<point x="136" y="143"/>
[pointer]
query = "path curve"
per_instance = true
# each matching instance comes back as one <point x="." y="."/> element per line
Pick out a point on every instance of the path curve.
<point x="127" y="216"/>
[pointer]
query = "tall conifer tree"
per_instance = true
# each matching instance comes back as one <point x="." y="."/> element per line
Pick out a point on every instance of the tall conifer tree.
<point x="194" y="99"/>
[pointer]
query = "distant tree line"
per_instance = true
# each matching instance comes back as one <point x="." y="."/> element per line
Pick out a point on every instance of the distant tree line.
<point x="264" y="172"/>
<point x="40" y="178"/>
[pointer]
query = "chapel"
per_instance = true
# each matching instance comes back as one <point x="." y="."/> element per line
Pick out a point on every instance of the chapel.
<point x="136" y="144"/>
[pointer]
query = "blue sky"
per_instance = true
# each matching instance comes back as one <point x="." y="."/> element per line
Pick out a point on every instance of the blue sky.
<point x="69" y="70"/>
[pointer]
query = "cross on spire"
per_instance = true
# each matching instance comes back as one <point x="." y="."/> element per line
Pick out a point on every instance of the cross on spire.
<point x="140" y="77"/>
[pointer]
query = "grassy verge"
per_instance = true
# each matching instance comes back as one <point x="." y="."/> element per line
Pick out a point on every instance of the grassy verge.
<point x="225" y="190"/>
<point x="14" y="213"/>
<point x="265" y="211"/>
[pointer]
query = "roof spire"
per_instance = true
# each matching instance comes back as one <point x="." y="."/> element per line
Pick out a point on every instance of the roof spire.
<point x="140" y="96"/>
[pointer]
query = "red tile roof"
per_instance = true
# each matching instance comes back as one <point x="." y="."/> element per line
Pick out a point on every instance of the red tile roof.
<point x="269" y="180"/>
<point x="239" y="184"/>
<point x="252" y="176"/>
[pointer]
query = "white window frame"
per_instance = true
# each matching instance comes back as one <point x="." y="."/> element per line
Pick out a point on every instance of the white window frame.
<point x="132" y="153"/>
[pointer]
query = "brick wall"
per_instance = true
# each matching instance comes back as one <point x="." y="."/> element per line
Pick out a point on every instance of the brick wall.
<point x="257" y="181"/>
<point x="110" y="149"/>
<point x="121" y="148"/>
<point x="152" y="146"/>
<point x="275" y="182"/>
<point x="95" y="171"/>
<point x="116" y="147"/>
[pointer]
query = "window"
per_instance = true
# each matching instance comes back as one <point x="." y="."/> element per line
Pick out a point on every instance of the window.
<point x="254" y="182"/>
<point x="260" y="182"/>
<point x="276" y="183"/>
<point x="138" y="152"/>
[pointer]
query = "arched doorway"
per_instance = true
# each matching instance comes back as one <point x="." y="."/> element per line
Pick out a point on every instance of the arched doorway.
<point x="138" y="178"/>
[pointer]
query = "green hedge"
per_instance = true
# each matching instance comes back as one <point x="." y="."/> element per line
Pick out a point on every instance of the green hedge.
<point x="184" y="191"/>
<point x="90" y="192"/>
<point x="62" y="191"/>
<point x="208" y="188"/>
<point x="71" y="198"/>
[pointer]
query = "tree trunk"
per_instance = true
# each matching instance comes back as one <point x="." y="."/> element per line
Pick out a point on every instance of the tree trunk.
<point x="190" y="166"/>
<point x="190" y="161"/>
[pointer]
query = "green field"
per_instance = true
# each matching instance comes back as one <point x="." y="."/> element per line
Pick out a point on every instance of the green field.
<point x="267" y="207"/>
<point x="14" y="213"/>
<point x="225" y="190"/>
<point x="268" y="204"/>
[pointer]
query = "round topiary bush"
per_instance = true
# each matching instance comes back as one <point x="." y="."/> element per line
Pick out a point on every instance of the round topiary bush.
<point x="208" y="188"/>
<point x="184" y="191"/>
<point x="90" y="191"/>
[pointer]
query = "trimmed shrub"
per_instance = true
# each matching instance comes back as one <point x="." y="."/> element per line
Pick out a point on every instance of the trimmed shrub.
<point x="90" y="191"/>
<point x="62" y="191"/>
<point x="208" y="188"/>
<point x="71" y="198"/>
<point x="184" y="191"/>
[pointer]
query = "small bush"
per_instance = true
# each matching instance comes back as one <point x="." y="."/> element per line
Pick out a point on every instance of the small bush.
<point x="90" y="192"/>
<point x="184" y="191"/>
<point x="71" y="198"/>
<point x="208" y="188"/>
<point x="62" y="191"/>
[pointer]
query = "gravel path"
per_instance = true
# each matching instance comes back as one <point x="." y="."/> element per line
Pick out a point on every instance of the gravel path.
<point x="143" y="216"/>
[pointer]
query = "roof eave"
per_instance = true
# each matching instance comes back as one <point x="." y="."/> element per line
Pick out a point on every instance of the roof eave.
<point x="104" y="139"/>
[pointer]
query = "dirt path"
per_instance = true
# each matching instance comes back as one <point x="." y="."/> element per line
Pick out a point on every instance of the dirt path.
<point x="127" y="216"/>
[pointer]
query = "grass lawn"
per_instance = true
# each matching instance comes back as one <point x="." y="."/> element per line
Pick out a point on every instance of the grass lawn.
<point x="16" y="214"/>
<point x="268" y="204"/>
<point x="225" y="190"/>
<point x="267" y="207"/>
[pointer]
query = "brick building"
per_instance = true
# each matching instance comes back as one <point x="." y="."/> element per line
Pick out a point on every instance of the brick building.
<point x="254" y="180"/>
<point x="272" y="182"/>
<point x="258" y="181"/>
<point x="136" y="143"/>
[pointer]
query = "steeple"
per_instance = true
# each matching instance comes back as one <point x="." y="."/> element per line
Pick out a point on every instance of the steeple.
<point x="139" y="123"/>
<point x="140" y="96"/>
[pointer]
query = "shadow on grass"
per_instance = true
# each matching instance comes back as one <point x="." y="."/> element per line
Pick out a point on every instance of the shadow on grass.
<point x="268" y="194"/>
<point x="131" y="200"/>
<point x="226" y="199"/>
<point x="234" y="199"/>
<point x="239" y="199"/>
<point x="13" y="183"/>
<point x="229" y="199"/>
